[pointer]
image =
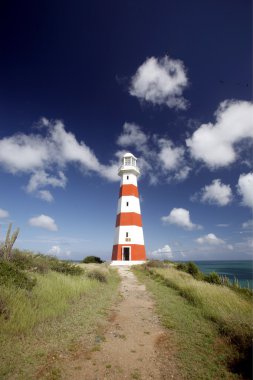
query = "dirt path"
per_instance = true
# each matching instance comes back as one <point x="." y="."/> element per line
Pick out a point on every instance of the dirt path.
<point x="134" y="346"/>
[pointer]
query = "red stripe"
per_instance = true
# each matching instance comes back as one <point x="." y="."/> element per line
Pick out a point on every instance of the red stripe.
<point x="129" y="190"/>
<point x="138" y="252"/>
<point x="128" y="219"/>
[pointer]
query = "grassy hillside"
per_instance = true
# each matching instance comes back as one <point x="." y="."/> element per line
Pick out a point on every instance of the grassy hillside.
<point x="212" y="323"/>
<point x="48" y="313"/>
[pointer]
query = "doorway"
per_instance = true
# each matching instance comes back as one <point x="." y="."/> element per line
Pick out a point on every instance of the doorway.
<point x="126" y="254"/>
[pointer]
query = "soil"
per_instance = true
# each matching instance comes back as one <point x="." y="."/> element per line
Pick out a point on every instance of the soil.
<point x="133" y="345"/>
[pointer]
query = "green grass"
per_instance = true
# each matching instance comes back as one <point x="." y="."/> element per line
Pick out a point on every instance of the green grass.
<point x="204" y="318"/>
<point x="58" y="315"/>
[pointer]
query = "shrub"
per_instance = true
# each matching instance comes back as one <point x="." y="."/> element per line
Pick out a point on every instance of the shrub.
<point x="190" y="268"/>
<point x="213" y="278"/>
<point x="65" y="267"/>
<point x="155" y="264"/>
<point x="23" y="260"/>
<point x="97" y="275"/>
<point x="92" y="260"/>
<point x="11" y="275"/>
<point x="182" y="266"/>
<point x="6" y="247"/>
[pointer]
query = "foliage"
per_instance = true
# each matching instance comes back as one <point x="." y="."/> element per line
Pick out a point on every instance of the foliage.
<point x="11" y="275"/>
<point x="92" y="259"/>
<point x="203" y="354"/>
<point x="6" y="247"/>
<point x="97" y="275"/>
<point x="213" y="278"/>
<point x="65" y="267"/>
<point x="155" y="264"/>
<point x="220" y="304"/>
<point x="190" y="268"/>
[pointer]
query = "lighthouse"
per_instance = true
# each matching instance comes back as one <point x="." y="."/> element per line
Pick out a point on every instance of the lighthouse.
<point x="128" y="245"/>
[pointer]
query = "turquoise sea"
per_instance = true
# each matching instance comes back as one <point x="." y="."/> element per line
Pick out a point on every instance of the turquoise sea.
<point x="242" y="270"/>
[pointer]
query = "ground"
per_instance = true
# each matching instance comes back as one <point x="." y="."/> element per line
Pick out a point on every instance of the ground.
<point x="133" y="345"/>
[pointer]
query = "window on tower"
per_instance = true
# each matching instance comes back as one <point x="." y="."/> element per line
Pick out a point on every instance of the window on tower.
<point x="127" y="203"/>
<point x="126" y="234"/>
<point x="127" y="177"/>
<point x="127" y="160"/>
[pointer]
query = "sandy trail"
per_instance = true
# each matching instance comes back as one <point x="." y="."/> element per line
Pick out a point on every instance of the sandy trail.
<point x="135" y="346"/>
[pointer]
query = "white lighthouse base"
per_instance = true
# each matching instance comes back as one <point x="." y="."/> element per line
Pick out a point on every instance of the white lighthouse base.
<point x="125" y="263"/>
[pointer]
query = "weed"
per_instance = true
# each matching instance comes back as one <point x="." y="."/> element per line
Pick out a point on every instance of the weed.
<point x="97" y="275"/>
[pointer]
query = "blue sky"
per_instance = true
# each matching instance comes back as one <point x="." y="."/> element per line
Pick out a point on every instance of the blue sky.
<point x="82" y="83"/>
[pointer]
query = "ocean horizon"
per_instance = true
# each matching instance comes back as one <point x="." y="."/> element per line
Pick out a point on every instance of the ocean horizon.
<point x="241" y="270"/>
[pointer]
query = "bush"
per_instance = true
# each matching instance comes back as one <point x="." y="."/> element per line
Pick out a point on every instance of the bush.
<point x="65" y="267"/>
<point x="213" y="278"/>
<point x="23" y="260"/>
<point x="92" y="260"/>
<point x="11" y="275"/>
<point x="190" y="268"/>
<point x="97" y="275"/>
<point x="182" y="266"/>
<point x="156" y="264"/>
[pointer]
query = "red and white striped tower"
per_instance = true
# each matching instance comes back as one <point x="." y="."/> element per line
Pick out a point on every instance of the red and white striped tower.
<point x="128" y="245"/>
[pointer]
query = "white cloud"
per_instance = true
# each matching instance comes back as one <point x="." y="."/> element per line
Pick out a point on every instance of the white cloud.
<point x="45" y="195"/>
<point x="222" y="225"/>
<point x="45" y="156"/>
<point x="245" y="189"/>
<point x="172" y="160"/>
<point x="216" y="193"/>
<point x="215" y="143"/>
<point x="170" y="156"/>
<point x="248" y="224"/>
<point x="3" y="213"/>
<point x="23" y="153"/>
<point x="41" y="179"/>
<point x="132" y="135"/>
<point x="210" y="239"/>
<point x="164" y="253"/>
<point x="43" y="221"/>
<point x="181" y="218"/>
<point x="160" y="81"/>
<point x="56" y="250"/>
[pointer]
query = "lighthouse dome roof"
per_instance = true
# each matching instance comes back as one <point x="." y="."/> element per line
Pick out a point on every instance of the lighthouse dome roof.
<point x="129" y="155"/>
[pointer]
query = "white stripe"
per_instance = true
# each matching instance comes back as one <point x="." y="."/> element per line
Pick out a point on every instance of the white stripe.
<point x="128" y="179"/>
<point x="129" y="204"/>
<point x="135" y="233"/>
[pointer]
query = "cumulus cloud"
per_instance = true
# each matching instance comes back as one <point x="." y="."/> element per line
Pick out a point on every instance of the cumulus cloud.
<point x="159" y="156"/>
<point x="181" y="218"/>
<point x="45" y="195"/>
<point x="210" y="239"/>
<point x="132" y="135"/>
<point x="248" y="224"/>
<point x="56" y="250"/>
<point x="164" y="253"/>
<point x="160" y="81"/>
<point x="43" y="221"/>
<point x="3" y="213"/>
<point x="215" y="144"/>
<point x="44" y="157"/>
<point x="172" y="160"/>
<point x="244" y="188"/>
<point x="41" y="179"/>
<point x="216" y="193"/>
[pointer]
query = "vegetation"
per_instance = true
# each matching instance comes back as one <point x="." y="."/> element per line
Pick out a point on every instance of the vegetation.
<point x="230" y="313"/>
<point x="62" y="305"/>
<point x="92" y="260"/>
<point x="6" y="247"/>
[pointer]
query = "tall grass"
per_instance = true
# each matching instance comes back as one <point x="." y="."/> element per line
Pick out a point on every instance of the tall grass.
<point x="50" y="297"/>
<point x="219" y="303"/>
<point x="229" y="310"/>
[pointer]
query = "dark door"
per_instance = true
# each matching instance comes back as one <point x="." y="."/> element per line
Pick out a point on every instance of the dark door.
<point x="126" y="253"/>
